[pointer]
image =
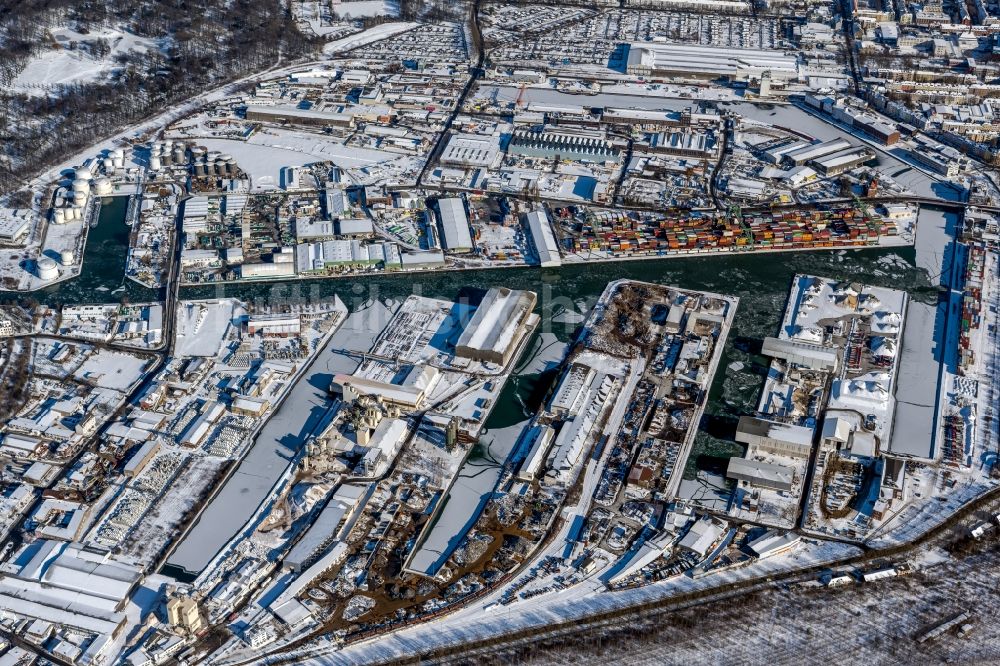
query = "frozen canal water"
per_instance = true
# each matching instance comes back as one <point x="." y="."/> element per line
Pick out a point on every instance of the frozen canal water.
<point x="304" y="410"/>
<point x="478" y="477"/>
<point x="465" y="500"/>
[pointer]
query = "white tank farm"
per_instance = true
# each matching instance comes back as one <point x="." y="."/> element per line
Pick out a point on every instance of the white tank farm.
<point x="102" y="187"/>
<point x="47" y="269"/>
<point x="66" y="257"/>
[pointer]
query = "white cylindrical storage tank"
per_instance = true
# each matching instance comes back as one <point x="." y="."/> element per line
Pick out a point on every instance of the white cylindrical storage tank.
<point x="102" y="187"/>
<point x="82" y="173"/>
<point x="178" y="155"/>
<point x="108" y="164"/>
<point x="119" y="162"/>
<point x="59" y="216"/>
<point x="81" y="185"/>
<point x="154" y="163"/>
<point x="78" y="212"/>
<point x="118" y="153"/>
<point x="66" y="257"/>
<point x="46" y="269"/>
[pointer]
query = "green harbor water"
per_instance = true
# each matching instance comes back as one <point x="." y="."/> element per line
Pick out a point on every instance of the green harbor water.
<point x="761" y="281"/>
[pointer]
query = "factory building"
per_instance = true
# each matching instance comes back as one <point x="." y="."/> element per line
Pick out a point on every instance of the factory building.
<point x="682" y="144"/>
<point x="710" y="62"/>
<point x="408" y="394"/>
<point x="472" y="150"/>
<point x="541" y="438"/>
<point x="774" y="437"/>
<point x="814" y="151"/>
<point x="877" y="129"/>
<point x="774" y="542"/>
<point x="274" y="325"/>
<point x="319" y="256"/>
<point x="351" y="388"/>
<point x="776" y="153"/>
<point x="66" y="584"/>
<point x="246" y="406"/>
<point x="571" y="390"/>
<point x="326" y="528"/>
<point x="543" y="239"/>
<point x="568" y="143"/>
<point x="761" y="474"/>
<point x="839" y="162"/>
<point x="701" y="536"/>
<point x="267" y="270"/>
<point x="140" y="458"/>
<point x="15" y="224"/>
<point x="806" y="354"/>
<point x="300" y="117"/>
<point x="497" y="327"/>
<point x="454" y="224"/>
<point x="935" y="162"/>
<point x="425" y="260"/>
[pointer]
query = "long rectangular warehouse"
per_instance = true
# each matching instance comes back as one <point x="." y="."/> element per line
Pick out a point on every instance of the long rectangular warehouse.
<point x="455" y="225"/>
<point x="543" y="239"/>
<point x="814" y="151"/>
<point x="499" y="323"/>
<point x="761" y="474"/>
<point x="710" y="62"/>
<point x="814" y="357"/>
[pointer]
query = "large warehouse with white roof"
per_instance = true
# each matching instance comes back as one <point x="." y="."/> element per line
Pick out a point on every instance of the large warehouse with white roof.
<point x="711" y="62"/>
<point x="497" y="326"/>
<point x="455" y="225"/>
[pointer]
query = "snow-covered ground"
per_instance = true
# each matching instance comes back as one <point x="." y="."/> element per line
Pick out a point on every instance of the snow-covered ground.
<point x="362" y="8"/>
<point x="69" y="59"/>
<point x="369" y="36"/>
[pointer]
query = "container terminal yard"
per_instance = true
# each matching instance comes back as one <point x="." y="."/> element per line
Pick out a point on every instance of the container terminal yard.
<point x="522" y="324"/>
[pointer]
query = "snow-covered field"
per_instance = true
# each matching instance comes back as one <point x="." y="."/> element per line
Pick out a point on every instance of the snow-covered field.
<point x="369" y="36"/>
<point x="361" y="8"/>
<point x="69" y="60"/>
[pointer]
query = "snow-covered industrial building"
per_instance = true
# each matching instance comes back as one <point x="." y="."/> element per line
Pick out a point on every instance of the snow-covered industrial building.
<point x="774" y="437"/>
<point x="543" y="239"/>
<point x="497" y="327"/>
<point x="710" y="62"/>
<point x="455" y="225"/>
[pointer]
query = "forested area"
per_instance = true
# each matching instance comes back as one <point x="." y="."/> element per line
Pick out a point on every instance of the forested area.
<point x="202" y="44"/>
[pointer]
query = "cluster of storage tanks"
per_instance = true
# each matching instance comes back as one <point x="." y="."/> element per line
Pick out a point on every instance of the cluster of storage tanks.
<point x="114" y="160"/>
<point x="204" y="162"/>
<point x="74" y="201"/>
<point x="47" y="269"/>
<point x="166" y="153"/>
